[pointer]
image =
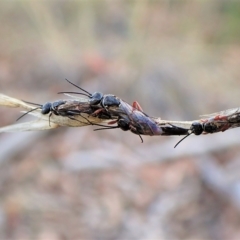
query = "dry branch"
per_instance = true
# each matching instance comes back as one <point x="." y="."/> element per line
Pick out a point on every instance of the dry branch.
<point x="78" y="112"/>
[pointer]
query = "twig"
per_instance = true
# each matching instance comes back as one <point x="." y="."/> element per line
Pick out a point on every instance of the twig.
<point x="78" y="112"/>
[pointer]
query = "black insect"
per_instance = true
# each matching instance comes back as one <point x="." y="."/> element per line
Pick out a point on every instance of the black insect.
<point x="198" y="128"/>
<point x="45" y="108"/>
<point x="97" y="98"/>
<point x="67" y="108"/>
<point x="97" y="105"/>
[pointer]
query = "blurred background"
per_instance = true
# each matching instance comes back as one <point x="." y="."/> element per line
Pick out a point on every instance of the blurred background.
<point x="178" y="59"/>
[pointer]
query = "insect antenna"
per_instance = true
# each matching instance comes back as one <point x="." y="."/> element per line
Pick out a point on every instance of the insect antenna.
<point x="37" y="104"/>
<point x="76" y="93"/>
<point x="28" y="112"/>
<point x="183" y="139"/>
<point x="89" y="94"/>
<point x="106" y="128"/>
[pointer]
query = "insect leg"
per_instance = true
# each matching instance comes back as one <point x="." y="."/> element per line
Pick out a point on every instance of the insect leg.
<point x="90" y="123"/>
<point x="49" y="119"/>
<point x="137" y="106"/>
